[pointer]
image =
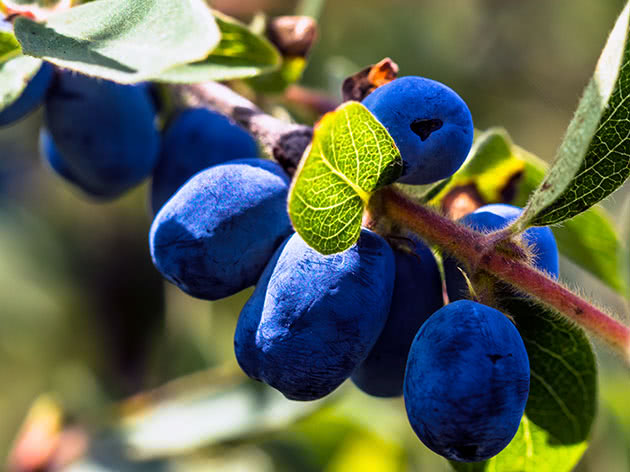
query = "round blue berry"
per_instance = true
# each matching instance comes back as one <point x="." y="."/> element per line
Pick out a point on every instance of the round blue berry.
<point x="314" y="318"/>
<point x="467" y="382"/>
<point x="430" y="124"/>
<point x="417" y="295"/>
<point x="214" y="237"/>
<point x="195" y="140"/>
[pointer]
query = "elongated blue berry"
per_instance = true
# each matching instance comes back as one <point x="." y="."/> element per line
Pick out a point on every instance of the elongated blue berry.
<point x="417" y="295"/>
<point x="214" y="237"/>
<point x="313" y="318"/>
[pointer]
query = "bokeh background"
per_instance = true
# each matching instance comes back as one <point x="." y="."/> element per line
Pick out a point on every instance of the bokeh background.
<point x="94" y="343"/>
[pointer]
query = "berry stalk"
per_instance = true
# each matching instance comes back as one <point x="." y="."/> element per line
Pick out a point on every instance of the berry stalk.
<point x="468" y="245"/>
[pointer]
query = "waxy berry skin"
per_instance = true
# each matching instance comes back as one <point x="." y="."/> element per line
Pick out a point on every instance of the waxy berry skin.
<point x="195" y="140"/>
<point x="214" y="237"/>
<point x="430" y="124"/>
<point x="105" y="132"/>
<point x="467" y="382"/>
<point x="314" y="318"/>
<point x="417" y="295"/>
<point x="492" y="218"/>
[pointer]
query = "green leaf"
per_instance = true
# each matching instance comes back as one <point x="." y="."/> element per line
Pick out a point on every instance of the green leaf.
<point x="123" y="40"/>
<point x="561" y="407"/>
<point x="14" y="77"/>
<point x="239" y="54"/>
<point x="594" y="158"/>
<point x="9" y="46"/>
<point x="351" y="156"/>
<point x="498" y="171"/>
<point x="531" y="450"/>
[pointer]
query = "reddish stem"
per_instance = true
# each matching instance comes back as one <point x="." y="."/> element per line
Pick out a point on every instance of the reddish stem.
<point x="468" y="245"/>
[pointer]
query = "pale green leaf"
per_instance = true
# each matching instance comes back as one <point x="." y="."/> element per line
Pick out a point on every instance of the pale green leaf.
<point x="14" y="76"/>
<point x="123" y="40"/>
<point x="351" y="156"/>
<point x="594" y="157"/>
<point x="239" y="54"/>
<point x="498" y="171"/>
<point x="562" y="401"/>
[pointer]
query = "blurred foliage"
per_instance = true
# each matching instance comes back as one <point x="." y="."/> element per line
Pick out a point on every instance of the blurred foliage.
<point x="86" y="318"/>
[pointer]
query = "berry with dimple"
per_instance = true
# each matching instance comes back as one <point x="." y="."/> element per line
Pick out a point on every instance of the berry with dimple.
<point x="104" y="132"/>
<point x="31" y="97"/>
<point x="417" y="295"/>
<point x="430" y="124"/>
<point x="467" y="382"/>
<point x="314" y="318"/>
<point x="214" y="237"/>
<point x="495" y="217"/>
<point x="195" y="140"/>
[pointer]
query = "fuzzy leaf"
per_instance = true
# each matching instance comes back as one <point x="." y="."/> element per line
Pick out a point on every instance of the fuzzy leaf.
<point x="560" y="410"/>
<point x="239" y="54"/>
<point x="594" y="158"/>
<point x="123" y="40"/>
<point x="351" y="156"/>
<point x="501" y="172"/>
<point x="14" y="76"/>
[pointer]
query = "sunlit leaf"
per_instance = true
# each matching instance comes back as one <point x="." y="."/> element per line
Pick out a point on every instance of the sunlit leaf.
<point x="239" y="54"/>
<point x="594" y="158"/>
<point x="121" y="40"/>
<point x="351" y="156"/>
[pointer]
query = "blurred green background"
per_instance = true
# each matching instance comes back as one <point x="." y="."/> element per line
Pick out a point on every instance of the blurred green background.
<point x="87" y="322"/>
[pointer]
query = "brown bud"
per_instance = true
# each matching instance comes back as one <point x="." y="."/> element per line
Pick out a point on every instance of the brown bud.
<point x="292" y="35"/>
<point x="360" y="85"/>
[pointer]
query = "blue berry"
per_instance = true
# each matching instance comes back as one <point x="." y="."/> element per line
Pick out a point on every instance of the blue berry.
<point x="196" y="139"/>
<point x="467" y="382"/>
<point x="494" y="217"/>
<point x="32" y="96"/>
<point x="214" y="237"/>
<point x="314" y="318"/>
<point x="49" y="153"/>
<point x="417" y="295"/>
<point x="430" y="124"/>
<point x="105" y="132"/>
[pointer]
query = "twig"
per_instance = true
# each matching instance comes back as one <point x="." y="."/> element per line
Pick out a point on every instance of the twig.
<point x="288" y="143"/>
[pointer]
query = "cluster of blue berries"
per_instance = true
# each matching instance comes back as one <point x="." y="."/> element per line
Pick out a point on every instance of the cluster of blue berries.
<point x="374" y="314"/>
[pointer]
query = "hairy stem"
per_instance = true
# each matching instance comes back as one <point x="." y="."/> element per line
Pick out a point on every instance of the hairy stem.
<point x="468" y="245"/>
<point x="490" y="253"/>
